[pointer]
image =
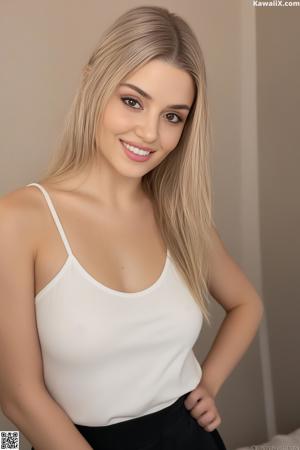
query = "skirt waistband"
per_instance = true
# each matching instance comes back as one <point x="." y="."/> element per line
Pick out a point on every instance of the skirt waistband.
<point x="149" y="425"/>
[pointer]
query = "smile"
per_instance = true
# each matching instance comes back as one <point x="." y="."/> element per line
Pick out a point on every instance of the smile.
<point x="136" y="150"/>
<point x="135" y="153"/>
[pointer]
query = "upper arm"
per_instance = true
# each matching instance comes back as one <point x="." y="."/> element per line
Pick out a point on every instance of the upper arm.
<point x="227" y="283"/>
<point x="21" y="370"/>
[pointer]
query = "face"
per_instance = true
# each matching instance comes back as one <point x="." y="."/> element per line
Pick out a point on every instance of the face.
<point x="150" y="113"/>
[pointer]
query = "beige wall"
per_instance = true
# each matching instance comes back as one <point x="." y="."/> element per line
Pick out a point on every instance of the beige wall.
<point x="278" y="93"/>
<point x="45" y="44"/>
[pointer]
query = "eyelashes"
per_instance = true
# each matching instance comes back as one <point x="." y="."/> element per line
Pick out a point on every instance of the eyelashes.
<point x="127" y="98"/>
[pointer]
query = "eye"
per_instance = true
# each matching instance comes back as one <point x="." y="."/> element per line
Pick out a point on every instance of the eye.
<point x="124" y="99"/>
<point x="179" y="119"/>
<point x="131" y="99"/>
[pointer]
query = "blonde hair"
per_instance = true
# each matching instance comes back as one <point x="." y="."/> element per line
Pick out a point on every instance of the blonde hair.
<point x="180" y="185"/>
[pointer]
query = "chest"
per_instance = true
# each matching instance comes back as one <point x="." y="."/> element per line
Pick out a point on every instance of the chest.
<point x="123" y="252"/>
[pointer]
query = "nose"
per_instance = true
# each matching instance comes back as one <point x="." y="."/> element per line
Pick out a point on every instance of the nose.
<point x="147" y="128"/>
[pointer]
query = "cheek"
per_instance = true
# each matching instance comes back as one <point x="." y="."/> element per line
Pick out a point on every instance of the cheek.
<point x="115" y="119"/>
<point x="170" y="138"/>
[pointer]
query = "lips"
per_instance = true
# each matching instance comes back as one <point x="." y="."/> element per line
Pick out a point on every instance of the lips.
<point x="147" y="149"/>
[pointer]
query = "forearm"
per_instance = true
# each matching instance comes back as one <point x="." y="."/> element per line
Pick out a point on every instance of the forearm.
<point x="46" y="425"/>
<point x="231" y="342"/>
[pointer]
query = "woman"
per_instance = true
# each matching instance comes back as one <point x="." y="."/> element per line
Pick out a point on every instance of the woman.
<point x="117" y="258"/>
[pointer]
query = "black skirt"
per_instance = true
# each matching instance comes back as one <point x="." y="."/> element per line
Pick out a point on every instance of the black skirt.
<point x="171" y="428"/>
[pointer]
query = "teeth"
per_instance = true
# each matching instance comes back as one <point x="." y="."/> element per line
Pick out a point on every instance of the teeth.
<point x="136" y="150"/>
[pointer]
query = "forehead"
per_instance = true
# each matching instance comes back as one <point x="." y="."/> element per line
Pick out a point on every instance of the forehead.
<point x="163" y="81"/>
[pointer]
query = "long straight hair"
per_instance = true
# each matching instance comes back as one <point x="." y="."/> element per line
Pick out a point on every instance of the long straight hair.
<point x="180" y="185"/>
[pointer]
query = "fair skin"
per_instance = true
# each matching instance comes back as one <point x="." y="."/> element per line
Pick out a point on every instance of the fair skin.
<point x="110" y="199"/>
<point x="111" y="227"/>
<point x="149" y="122"/>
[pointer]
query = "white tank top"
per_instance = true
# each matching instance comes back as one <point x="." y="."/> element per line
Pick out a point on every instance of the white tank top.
<point x="110" y="356"/>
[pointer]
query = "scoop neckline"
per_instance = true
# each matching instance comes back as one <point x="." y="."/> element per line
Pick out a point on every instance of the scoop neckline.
<point x="112" y="291"/>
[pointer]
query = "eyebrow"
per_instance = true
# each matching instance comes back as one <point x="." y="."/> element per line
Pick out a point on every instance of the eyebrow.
<point x="144" y="94"/>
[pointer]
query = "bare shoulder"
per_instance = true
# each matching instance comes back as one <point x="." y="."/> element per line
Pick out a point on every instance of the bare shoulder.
<point x="20" y="212"/>
<point x="20" y="199"/>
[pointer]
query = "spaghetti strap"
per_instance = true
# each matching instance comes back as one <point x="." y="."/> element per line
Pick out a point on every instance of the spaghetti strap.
<point x="55" y="217"/>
